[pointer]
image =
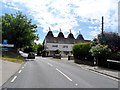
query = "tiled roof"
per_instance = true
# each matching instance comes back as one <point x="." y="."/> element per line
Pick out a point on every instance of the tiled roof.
<point x="62" y="40"/>
<point x="49" y="34"/>
<point x="80" y="37"/>
<point x="60" y="35"/>
<point x="71" y="36"/>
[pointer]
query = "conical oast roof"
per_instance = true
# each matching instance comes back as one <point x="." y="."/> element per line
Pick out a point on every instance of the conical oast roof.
<point x="71" y="36"/>
<point x="80" y="37"/>
<point x="50" y="34"/>
<point x="60" y="35"/>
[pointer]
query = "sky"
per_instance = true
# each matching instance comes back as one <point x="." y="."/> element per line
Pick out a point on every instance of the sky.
<point x="82" y="16"/>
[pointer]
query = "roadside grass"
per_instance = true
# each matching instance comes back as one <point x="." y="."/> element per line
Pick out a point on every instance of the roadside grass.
<point x="12" y="56"/>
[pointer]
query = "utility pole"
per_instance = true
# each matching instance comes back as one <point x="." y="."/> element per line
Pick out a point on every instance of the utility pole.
<point x="102" y="25"/>
<point x="102" y="33"/>
<point x="119" y="18"/>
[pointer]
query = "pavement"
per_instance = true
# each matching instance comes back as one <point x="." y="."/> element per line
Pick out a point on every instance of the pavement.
<point x="7" y="70"/>
<point x="105" y="71"/>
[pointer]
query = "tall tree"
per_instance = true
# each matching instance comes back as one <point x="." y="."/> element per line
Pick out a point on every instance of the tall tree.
<point x="18" y="30"/>
<point x="111" y="39"/>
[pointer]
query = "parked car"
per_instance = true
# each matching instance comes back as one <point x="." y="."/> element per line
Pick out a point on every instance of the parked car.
<point x="31" y="55"/>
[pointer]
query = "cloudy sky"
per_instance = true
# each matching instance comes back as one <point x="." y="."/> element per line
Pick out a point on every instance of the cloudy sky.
<point x="77" y="15"/>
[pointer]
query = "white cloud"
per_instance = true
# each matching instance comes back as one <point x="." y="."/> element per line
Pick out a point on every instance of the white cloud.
<point x="11" y="5"/>
<point x="62" y="13"/>
<point x="40" y="41"/>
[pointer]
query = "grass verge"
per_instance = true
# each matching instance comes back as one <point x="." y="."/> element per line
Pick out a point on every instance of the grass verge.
<point x="12" y="56"/>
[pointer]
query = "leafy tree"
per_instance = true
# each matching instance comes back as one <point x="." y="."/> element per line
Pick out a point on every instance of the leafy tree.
<point x="111" y="39"/>
<point x="39" y="49"/>
<point x="100" y="51"/>
<point x="18" y="30"/>
<point x="94" y="42"/>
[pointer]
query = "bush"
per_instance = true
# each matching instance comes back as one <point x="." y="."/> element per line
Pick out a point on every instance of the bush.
<point x="57" y="52"/>
<point x="115" y="56"/>
<point x="101" y="52"/>
<point x="81" y="50"/>
<point x="45" y="53"/>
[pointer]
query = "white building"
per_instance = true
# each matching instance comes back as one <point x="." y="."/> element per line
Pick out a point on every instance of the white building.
<point x="51" y="43"/>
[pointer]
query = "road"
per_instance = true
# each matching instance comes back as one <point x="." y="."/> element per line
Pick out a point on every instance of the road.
<point x="53" y="73"/>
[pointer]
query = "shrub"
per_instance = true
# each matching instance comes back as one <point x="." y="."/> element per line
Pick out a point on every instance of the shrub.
<point x="115" y="56"/>
<point x="45" y="53"/>
<point x="81" y="50"/>
<point x="100" y="51"/>
<point x="57" y="52"/>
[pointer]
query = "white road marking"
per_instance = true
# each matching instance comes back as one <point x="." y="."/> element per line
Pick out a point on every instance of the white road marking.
<point x="50" y="64"/>
<point x="64" y="74"/>
<point x="22" y="67"/>
<point x="20" y="71"/>
<point x="44" y="58"/>
<point x="76" y="84"/>
<point x="14" y="79"/>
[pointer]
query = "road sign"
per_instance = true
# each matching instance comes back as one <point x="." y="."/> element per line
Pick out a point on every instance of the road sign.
<point x="5" y="41"/>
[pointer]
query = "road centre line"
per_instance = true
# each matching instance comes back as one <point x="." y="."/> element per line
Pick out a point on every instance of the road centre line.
<point x="50" y="64"/>
<point x="22" y="67"/>
<point x="76" y="84"/>
<point x="20" y="71"/>
<point x="64" y="74"/>
<point x="14" y="79"/>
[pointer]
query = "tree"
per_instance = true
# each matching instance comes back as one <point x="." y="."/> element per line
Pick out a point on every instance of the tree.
<point x="39" y="49"/>
<point x="111" y="39"/>
<point x="18" y="30"/>
<point x="101" y="52"/>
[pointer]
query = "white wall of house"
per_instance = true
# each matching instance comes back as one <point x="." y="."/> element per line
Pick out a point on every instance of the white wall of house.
<point x="61" y="47"/>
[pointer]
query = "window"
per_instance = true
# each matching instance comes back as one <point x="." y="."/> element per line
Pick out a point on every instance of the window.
<point x="54" y="45"/>
<point x="65" y="46"/>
